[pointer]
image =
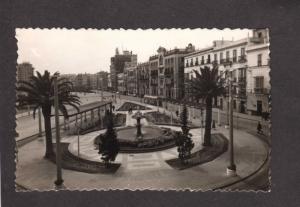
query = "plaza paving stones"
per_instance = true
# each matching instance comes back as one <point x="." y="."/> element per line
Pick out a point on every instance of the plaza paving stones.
<point x="141" y="171"/>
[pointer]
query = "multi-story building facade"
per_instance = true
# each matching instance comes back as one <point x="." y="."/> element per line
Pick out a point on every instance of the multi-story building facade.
<point x="102" y="78"/>
<point x="245" y="63"/>
<point x="194" y="61"/>
<point x="121" y="83"/>
<point x="153" y="78"/>
<point x="167" y="72"/>
<point x="130" y="76"/>
<point x="82" y="82"/>
<point x="109" y="84"/>
<point x="24" y="72"/>
<point x="232" y="63"/>
<point x="117" y="65"/>
<point x="143" y="79"/>
<point x="258" y="77"/>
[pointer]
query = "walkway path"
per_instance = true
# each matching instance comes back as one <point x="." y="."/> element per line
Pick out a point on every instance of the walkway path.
<point x="141" y="171"/>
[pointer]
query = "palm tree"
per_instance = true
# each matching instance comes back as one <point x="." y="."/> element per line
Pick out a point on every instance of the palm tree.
<point x="40" y="93"/>
<point x="206" y="86"/>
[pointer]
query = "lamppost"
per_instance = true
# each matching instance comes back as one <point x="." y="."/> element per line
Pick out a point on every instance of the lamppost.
<point x="231" y="169"/>
<point x="201" y="113"/>
<point x="59" y="181"/>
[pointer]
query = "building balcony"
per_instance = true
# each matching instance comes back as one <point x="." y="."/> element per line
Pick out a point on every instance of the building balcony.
<point x="215" y="62"/>
<point x="261" y="91"/>
<point x="257" y="40"/>
<point x="242" y="59"/>
<point x="242" y="80"/>
<point x="227" y="62"/>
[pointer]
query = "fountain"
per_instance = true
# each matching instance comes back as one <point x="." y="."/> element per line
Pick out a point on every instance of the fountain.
<point x="138" y="139"/>
<point x="138" y="116"/>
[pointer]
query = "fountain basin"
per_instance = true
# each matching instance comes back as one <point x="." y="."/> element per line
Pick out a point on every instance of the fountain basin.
<point x="154" y="139"/>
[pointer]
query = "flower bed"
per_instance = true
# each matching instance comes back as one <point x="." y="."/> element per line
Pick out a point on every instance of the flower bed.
<point x="206" y="154"/>
<point x="72" y="162"/>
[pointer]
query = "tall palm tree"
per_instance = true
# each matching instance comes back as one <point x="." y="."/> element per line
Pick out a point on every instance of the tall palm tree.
<point x="206" y="86"/>
<point x="40" y="93"/>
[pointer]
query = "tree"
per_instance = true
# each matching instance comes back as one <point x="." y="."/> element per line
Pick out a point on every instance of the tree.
<point x="206" y="86"/>
<point x="40" y="93"/>
<point x="183" y="140"/>
<point x="109" y="144"/>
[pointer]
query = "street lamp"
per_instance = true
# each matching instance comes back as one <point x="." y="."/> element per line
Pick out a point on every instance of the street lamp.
<point x="59" y="181"/>
<point x="201" y="113"/>
<point x="231" y="169"/>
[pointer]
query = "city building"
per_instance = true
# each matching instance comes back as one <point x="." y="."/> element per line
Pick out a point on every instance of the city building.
<point x="167" y="72"/>
<point x="102" y="78"/>
<point x="258" y="73"/>
<point x="109" y="84"/>
<point x="117" y="65"/>
<point x="230" y="56"/>
<point x="194" y="61"/>
<point x="121" y="83"/>
<point x="245" y="63"/>
<point x="143" y="76"/>
<point x="130" y="76"/>
<point x="82" y="82"/>
<point x="24" y="72"/>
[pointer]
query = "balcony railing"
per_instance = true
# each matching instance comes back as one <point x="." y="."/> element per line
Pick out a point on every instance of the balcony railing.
<point x="256" y="39"/>
<point x="242" y="80"/>
<point x="261" y="90"/>
<point x="215" y="62"/>
<point x="242" y="59"/>
<point x="227" y="62"/>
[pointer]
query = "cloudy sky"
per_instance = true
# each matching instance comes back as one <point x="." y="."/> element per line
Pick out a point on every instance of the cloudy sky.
<point x="80" y="51"/>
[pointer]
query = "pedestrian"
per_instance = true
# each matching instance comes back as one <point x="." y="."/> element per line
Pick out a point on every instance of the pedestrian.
<point x="259" y="128"/>
<point x="113" y="107"/>
<point x="177" y="113"/>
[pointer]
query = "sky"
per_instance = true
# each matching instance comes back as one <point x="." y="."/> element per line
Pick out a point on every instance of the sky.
<point x="89" y="51"/>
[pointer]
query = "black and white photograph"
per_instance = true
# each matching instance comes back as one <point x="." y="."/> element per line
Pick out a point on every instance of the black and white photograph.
<point x="146" y="109"/>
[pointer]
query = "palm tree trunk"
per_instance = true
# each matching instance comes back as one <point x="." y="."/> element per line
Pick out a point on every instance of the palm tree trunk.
<point x="48" y="131"/>
<point x="208" y="118"/>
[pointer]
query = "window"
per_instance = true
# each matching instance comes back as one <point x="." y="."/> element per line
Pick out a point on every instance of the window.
<point x="259" y="82"/>
<point x="197" y="63"/>
<point x="234" y="56"/>
<point x="242" y="51"/>
<point x="202" y="60"/>
<point x="216" y="58"/>
<point x="259" y="35"/>
<point x="227" y="55"/>
<point x="208" y="59"/>
<point x="259" y="59"/>
<point x="192" y="63"/>
<point x="221" y="57"/>
<point x="234" y="104"/>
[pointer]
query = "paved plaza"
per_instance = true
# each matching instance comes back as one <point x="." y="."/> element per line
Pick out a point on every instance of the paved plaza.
<point x="143" y="170"/>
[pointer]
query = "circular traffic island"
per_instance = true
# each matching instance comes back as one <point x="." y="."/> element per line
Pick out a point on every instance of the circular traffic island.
<point x="153" y="139"/>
